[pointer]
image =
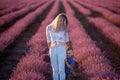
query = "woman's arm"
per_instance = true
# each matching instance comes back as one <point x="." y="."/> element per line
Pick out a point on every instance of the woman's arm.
<point x="48" y="37"/>
<point x="67" y="41"/>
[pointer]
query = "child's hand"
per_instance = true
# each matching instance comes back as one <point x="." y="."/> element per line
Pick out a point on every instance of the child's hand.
<point x="66" y="60"/>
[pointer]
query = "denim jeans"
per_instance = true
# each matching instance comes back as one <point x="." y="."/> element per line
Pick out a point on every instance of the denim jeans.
<point x="57" y="57"/>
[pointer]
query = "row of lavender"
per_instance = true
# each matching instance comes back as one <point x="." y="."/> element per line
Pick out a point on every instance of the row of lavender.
<point x="87" y="54"/>
<point x="7" y="7"/>
<point x="15" y="30"/>
<point x="111" y="5"/>
<point x="114" y="18"/>
<point x="5" y="19"/>
<point x="35" y="64"/>
<point x="109" y="30"/>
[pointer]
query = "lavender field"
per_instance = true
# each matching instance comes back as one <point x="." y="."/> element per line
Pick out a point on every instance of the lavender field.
<point x="94" y="34"/>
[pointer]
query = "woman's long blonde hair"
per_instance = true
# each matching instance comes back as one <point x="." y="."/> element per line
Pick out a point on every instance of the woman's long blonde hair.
<point x="60" y="23"/>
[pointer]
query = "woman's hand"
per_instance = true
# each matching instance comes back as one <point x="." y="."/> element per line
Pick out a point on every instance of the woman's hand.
<point x="67" y="45"/>
<point x="49" y="44"/>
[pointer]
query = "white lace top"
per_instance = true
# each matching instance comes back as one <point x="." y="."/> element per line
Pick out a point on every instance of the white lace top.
<point x="52" y="36"/>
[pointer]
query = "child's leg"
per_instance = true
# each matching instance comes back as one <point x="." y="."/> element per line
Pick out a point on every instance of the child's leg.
<point x="69" y="77"/>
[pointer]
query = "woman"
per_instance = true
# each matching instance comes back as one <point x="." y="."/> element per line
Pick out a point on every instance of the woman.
<point x="58" y="41"/>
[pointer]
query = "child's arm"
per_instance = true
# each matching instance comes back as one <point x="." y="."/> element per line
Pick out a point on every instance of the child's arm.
<point x="68" y="65"/>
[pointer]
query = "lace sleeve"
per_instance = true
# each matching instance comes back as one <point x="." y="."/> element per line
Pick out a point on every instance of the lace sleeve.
<point x="66" y="37"/>
<point x="48" y="34"/>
